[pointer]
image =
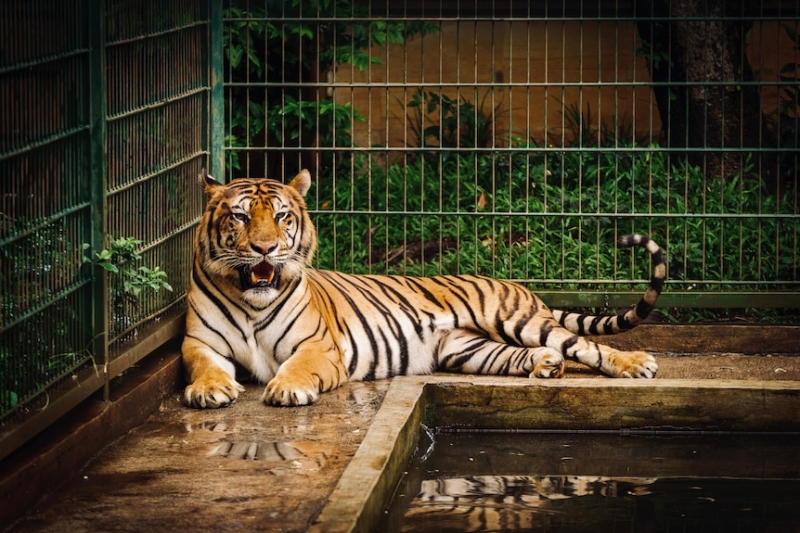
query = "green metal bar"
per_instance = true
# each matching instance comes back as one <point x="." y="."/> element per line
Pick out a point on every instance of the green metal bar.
<point x="216" y="108"/>
<point x="161" y="103"/>
<point x="560" y="214"/>
<point x="164" y="331"/>
<point x="554" y="19"/>
<point x="60" y="295"/>
<point x="706" y="299"/>
<point x="147" y="36"/>
<point x="509" y="85"/>
<point x="43" y="142"/>
<point x="153" y="175"/>
<point x="17" y="434"/>
<point x="25" y="65"/>
<point x="97" y="181"/>
<point x="523" y="150"/>
<point x="729" y="285"/>
<point x="44" y="223"/>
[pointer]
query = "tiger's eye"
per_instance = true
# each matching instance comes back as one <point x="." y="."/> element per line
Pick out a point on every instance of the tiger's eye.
<point x="240" y="217"/>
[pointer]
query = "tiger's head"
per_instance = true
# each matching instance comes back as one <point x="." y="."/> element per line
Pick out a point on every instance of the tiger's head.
<point x="256" y="234"/>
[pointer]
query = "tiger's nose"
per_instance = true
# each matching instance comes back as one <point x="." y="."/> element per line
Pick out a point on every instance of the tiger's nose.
<point x="264" y="248"/>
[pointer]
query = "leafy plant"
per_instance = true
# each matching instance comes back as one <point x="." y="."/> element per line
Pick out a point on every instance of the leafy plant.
<point x="461" y="123"/>
<point x="587" y="133"/>
<point x="119" y="259"/>
<point x="39" y="314"/>
<point x="34" y="266"/>
<point x="654" y="53"/>
<point x="332" y="120"/>
<point x="527" y="212"/>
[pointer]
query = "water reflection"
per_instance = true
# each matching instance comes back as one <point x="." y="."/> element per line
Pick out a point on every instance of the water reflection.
<point x="517" y="482"/>
<point x="496" y="503"/>
<point x="310" y="455"/>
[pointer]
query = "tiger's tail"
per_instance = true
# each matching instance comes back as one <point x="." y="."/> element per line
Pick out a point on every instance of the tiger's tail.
<point x="586" y="324"/>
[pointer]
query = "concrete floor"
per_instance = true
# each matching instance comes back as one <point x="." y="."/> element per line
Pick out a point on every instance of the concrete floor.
<point x="250" y="467"/>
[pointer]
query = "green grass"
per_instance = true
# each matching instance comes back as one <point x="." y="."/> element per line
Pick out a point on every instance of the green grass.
<point x="553" y="217"/>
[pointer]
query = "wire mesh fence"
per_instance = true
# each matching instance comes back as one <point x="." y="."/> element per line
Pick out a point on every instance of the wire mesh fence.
<point x="520" y="140"/>
<point x="157" y="102"/>
<point x="106" y="110"/>
<point x="45" y="293"/>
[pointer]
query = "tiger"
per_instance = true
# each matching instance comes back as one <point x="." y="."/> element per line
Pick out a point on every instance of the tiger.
<point x="255" y="301"/>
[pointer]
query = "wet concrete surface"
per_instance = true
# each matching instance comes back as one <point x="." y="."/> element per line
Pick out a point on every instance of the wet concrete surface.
<point x="250" y="467"/>
<point x="247" y="467"/>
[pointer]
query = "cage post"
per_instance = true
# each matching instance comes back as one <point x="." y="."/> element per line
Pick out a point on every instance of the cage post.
<point x="216" y="104"/>
<point x="97" y="184"/>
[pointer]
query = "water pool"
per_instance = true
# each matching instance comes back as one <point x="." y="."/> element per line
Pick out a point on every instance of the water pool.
<point x="595" y="482"/>
<point x="641" y="412"/>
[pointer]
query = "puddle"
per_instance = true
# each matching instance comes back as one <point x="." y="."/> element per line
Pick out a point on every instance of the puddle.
<point x="207" y="425"/>
<point x="257" y="451"/>
<point x="363" y="394"/>
<point x="301" y="454"/>
<point x="598" y="482"/>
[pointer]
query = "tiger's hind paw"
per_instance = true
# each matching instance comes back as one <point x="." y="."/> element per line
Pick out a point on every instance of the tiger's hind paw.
<point x="632" y="365"/>
<point x="548" y="363"/>
<point x="211" y="391"/>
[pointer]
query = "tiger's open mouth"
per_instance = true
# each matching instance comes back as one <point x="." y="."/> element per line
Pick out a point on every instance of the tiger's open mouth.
<point x="260" y="276"/>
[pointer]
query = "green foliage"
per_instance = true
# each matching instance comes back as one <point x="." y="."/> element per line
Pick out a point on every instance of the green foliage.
<point x="527" y="212"/>
<point x="461" y="123"/>
<point x="33" y="267"/>
<point x="332" y="120"/>
<point x="45" y="328"/>
<point x="269" y="44"/>
<point x="653" y="53"/>
<point x="119" y="259"/>
<point x="554" y="216"/>
<point x="41" y="320"/>
<point x="587" y="133"/>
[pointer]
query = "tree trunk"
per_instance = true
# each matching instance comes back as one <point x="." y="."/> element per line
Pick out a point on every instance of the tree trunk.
<point x="705" y="45"/>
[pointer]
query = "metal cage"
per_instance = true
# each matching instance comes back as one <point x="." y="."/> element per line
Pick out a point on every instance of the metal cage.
<point x="520" y="140"/>
<point x="106" y="109"/>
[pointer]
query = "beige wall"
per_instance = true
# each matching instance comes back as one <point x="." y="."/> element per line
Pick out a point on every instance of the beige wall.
<point x="540" y="56"/>
<point x="770" y="48"/>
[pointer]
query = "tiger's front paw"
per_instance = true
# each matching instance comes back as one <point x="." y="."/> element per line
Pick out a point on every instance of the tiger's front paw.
<point x="289" y="392"/>
<point x="213" y="389"/>
<point x="632" y="365"/>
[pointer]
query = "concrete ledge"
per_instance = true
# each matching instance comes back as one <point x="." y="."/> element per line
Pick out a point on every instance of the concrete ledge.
<point x="370" y="479"/>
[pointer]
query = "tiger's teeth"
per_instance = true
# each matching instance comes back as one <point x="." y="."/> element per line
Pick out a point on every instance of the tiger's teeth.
<point x="261" y="273"/>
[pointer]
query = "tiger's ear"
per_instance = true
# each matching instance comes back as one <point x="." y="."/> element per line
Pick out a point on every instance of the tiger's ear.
<point x="208" y="182"/>
<point x="301" y="182"/>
